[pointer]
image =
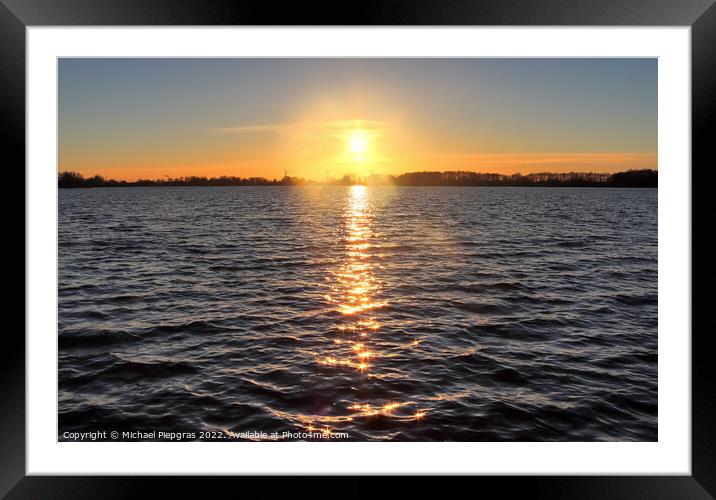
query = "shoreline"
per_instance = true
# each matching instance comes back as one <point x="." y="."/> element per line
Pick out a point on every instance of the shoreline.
<point x="628" y="178"/>
<point x="598" y="186"/>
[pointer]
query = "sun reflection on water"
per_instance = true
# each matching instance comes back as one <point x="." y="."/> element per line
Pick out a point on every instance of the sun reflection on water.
<point x="355" y="293"/>
<point x="355" y="288"/>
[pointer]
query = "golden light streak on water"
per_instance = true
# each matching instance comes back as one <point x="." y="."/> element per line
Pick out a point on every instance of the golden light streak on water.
<point x="355" y="287"/>
<point x="355" y="293"/>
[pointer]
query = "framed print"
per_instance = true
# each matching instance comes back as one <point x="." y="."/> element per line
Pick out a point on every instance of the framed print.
<point x="424" y="240"/>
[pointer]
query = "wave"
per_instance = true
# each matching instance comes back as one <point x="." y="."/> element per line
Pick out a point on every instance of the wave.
<point x="490" y="314"/>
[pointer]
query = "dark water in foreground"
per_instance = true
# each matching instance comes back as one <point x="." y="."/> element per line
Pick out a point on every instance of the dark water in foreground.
<point x="385" y="313"/>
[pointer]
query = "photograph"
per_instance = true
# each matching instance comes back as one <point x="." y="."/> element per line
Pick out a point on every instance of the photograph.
<point x="337" y="249"/>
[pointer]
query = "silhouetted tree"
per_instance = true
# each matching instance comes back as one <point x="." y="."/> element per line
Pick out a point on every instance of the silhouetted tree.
<point x="70" y="179"/>
<point x="635" y="178"/>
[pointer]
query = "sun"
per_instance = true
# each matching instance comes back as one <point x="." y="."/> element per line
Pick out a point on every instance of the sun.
<point x="358" y="144"/>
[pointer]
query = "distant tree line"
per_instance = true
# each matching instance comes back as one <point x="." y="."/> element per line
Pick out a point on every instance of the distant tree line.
<point x="75" y="180"/>
<point x="630" y="178"/>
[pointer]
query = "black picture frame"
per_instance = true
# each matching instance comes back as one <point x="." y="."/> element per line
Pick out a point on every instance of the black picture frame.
<point x="700" y="15"/>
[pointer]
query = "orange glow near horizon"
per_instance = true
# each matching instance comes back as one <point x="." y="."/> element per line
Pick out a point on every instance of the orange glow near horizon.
<point x="321" y="149"/>
<point x="355" y="162"/>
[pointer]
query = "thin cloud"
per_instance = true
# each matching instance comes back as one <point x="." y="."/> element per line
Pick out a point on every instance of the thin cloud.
<point x="271" y="127"/>
<point x="330" y="127"/>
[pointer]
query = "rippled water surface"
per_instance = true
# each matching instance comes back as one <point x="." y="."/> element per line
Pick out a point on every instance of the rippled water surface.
<point x="384" y="313"/>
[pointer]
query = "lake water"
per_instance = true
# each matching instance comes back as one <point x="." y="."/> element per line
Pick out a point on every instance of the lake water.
<point x="470" y="314"/>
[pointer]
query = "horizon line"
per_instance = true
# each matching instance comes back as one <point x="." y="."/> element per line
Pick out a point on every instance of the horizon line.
<point x="631" y="177"/>
<point x="167" y="178"/>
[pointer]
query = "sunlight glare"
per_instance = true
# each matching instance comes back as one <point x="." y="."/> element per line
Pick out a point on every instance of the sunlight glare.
<point x="358" y="144"/>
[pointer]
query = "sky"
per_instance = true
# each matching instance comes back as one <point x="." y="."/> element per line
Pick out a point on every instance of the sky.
<point x="318" y="118"/>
